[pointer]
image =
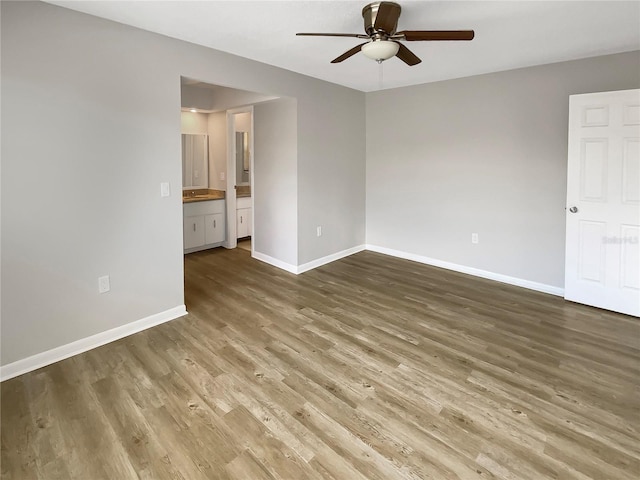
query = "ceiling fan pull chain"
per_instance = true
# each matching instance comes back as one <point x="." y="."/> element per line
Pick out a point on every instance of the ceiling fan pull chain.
<point x="380" y="75"/>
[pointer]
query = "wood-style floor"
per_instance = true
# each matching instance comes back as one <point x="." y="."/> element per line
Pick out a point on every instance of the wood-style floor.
<point x="370" y="367"/>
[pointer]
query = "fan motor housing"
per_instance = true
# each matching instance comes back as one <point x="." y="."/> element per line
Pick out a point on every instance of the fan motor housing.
<point x="369" y="14"/>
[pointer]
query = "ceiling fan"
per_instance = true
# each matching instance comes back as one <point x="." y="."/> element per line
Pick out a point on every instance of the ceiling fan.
<point x="380" y="23"/>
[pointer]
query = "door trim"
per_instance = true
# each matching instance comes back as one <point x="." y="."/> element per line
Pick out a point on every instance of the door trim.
<point x="231" y="240"/>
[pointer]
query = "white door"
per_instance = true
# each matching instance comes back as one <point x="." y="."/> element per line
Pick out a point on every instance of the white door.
<point x="602" y="266"/>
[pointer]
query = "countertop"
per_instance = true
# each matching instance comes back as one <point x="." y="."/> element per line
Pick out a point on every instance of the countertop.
<point x="202" y="195"/>
<point x="243" y="191"/>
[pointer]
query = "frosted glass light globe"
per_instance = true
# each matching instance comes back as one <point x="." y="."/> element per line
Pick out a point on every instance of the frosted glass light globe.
<point x="380" y="49"/>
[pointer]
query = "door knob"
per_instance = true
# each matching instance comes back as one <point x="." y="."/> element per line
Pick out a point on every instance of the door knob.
<point x="573" y="209"/>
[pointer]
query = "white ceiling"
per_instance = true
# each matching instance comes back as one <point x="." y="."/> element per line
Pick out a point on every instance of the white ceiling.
<point x="509" y="34"/>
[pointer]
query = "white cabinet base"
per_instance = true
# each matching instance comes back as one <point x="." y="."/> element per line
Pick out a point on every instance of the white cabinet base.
<point x="214" y="228"/>
<point x="204" y="225"/>
<point x="243" y="222"/>
<point x="193" y="231"/>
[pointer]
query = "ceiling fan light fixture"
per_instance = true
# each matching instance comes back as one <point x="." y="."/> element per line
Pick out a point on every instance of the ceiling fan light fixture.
<point x="380" y="50"/>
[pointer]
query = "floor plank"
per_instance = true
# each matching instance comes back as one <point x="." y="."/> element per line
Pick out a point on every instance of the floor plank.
<point x="371" y="367"/>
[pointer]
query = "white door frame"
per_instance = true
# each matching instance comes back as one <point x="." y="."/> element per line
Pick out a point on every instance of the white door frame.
<point x="230" y="196"/>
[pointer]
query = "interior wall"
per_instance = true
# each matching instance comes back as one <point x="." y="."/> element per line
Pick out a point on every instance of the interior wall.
<point x="484" y="154"/>
<point x="106" y="135"/>
<point x="194" y="123"/>
<point x="331" y="176"/>
<point x="217" y="126"/>
<point x="243" y="122"/>
<point x="196" y="97"/>
<point x="275" y="176"/>
<point x="216" y="97"/>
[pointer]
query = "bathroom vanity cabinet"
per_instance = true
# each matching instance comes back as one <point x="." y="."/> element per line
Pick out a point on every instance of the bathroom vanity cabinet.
<point x="244" y="221"/>
<point x="204" y="225"/>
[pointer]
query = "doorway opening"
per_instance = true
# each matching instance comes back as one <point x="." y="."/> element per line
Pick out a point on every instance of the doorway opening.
<point x="215" y="118"/>
<point x="240" y="168"/>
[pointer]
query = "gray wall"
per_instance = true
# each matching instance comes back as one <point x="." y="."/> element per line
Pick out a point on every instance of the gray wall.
<point x="331" y="186"/>
<point x="90" y="128"/>
<point x="217" y="149"/>
<point x="485" y="154"/>
<point x="206" y="97"/>
<point x="275" y="127"/>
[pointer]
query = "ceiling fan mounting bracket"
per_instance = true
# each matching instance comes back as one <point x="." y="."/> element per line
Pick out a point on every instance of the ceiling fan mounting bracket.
<point x="379" y="36"/>
<point x="370" y="13"/>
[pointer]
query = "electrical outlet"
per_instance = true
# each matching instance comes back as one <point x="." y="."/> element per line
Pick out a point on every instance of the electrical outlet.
<point x="222" y="176"/>
<point x="319" y="231"/>
<point x="474" y="238"/>
<point x="103" y="284"/>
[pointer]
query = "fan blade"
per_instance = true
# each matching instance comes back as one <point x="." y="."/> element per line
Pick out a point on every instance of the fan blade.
<point x="387" y="17"/>
<point x="423" y="35"/>
<point x="407" y="56"/>
<point x="353" y="35"/>
<point x="348" y="53"/>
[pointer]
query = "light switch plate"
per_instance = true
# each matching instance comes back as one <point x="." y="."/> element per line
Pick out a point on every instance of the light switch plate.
<point x="165" y="189"/>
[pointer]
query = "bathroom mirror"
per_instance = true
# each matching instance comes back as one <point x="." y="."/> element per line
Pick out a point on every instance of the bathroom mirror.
<point x="243" y="161"/>
<point x="195" y="161"/>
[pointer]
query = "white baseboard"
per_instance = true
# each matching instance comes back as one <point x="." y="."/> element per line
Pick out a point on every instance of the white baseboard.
<point x="79" y="346"/>
<point x="498" y="277"/>
<point x="275" y="262"/>
<point x="54" y="355"/>
<point x="305" y="267"/>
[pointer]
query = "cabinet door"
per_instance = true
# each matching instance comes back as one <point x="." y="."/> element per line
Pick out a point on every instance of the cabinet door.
<point x="243" y="222"/>
<point x="249" y="221"/>
<point x="214" y="228"/>
<point x="193" y="231"/>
